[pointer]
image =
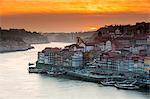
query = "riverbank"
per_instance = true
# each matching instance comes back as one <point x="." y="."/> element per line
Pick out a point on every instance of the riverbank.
<point x="83" y="74"/>
<point x="16" y="50"/>
<point x="16" y="82"/>
<point x="98" y="79"/>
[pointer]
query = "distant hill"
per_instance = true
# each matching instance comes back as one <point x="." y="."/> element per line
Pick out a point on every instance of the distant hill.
<point x="26" y="36"/>
<point x="67" y="37"/>
<point x="19" y="39"/>
<point x="113" y="31"/>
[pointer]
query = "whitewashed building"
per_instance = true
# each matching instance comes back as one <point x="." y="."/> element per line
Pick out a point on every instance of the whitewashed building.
<point x="77" y="59"/>
<point x="46" y="60"/>
<point x="108" y="46"/>
<point x="41" y="57"/>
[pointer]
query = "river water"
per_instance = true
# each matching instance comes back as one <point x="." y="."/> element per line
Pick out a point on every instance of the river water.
<point x="17" y="83"/>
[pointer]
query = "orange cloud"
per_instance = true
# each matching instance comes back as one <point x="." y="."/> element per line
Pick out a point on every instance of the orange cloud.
<point x="12" y="7"/>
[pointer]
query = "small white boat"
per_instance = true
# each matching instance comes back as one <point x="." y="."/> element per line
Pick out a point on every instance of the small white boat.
<point x="52" y="73"/>
<point x="108" y="83"/>
<point x="123" y="82"/>
<point x="127" y="86"/>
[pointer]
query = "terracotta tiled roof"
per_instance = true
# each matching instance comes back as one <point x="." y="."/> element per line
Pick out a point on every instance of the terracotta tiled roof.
<point x="48" y="49"/>
<point x="147" y="57"/>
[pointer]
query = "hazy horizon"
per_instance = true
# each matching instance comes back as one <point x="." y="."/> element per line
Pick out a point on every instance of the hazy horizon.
<point x="71" y="15"/>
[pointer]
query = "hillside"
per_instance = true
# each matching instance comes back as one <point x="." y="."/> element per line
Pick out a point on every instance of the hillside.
<point x="67" y="37"/>
<point x="19" y="40"/>
<point x="111" y="32"/>
<point x="27" y="36"/>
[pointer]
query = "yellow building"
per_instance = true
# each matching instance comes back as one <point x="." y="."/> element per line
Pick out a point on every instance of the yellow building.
<point x="147" y="62"/>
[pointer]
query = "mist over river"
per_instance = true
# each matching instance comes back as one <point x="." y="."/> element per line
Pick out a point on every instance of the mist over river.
<point x="17" y="83"/>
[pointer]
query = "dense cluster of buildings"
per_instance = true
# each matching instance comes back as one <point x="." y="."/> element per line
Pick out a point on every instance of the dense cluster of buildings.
<point x="60" y="57"/>
<point x="123" y="50"/>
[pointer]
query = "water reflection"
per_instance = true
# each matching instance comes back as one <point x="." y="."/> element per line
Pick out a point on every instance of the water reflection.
<point x="16" y="82"/>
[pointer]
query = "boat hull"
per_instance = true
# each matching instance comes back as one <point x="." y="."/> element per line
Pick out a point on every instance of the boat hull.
<point x="127" y="87"/>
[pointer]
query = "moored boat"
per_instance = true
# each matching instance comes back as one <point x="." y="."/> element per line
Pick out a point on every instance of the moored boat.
<point x="52" y="73"/>
<point x="108" y="83"/>
<point x="127" y="86"/>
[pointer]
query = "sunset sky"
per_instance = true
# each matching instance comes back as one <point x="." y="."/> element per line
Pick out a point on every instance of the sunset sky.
<point x="71" y="15"/>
